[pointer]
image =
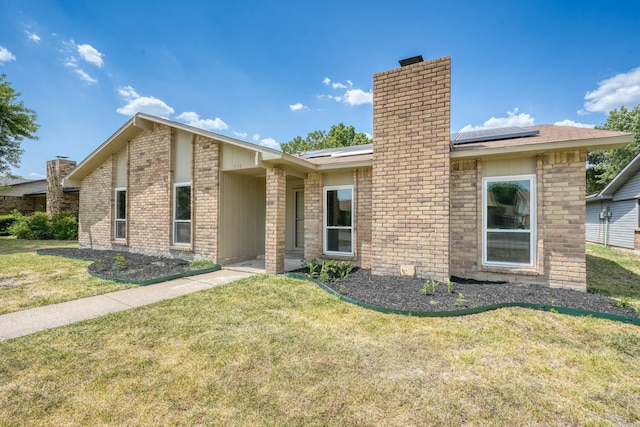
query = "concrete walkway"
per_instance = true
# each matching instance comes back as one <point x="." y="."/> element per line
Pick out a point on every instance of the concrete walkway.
<point x="26" y="322"/>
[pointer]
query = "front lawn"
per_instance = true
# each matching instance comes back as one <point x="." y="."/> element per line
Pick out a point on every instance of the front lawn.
<point x="28" y="280"/>
<point x="278" y="351"/>
<point x="614" y="272"/>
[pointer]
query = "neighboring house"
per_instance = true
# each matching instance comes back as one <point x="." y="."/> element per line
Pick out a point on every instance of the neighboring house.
<point x="41" y="195"/>
<point x="499" y="205"/>
<point x="613" y="215"/>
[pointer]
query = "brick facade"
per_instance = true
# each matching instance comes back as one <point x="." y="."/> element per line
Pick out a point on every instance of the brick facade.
<point x="363" y="219"/>
<point x="57" y="199"/>
<point x="96" y="211"/>
<point x="313" y="233"/>
<point x="410" y="194"/>
<point x="24" y="204"/>
<point x="206" y="196"/>
<point x="275" y="221"/>
<point x="465" y="218"/>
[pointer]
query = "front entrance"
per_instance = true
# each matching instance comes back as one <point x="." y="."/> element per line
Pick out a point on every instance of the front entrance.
<point x="298" y="229"/>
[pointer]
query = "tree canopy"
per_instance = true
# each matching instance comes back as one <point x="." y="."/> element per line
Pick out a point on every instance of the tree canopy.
<point x="603" y="166"/>
<point x="16" y="123"/>
<point x="338" y="136"/>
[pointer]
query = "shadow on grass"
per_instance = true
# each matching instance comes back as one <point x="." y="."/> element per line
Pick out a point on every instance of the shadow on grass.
<point x="610" y="278"/>
<point x="11" y="245"/>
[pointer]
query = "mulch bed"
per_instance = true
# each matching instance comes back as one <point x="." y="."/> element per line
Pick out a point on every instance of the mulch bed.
<point x="404" y="293"/>
<point x="136" y="267"/>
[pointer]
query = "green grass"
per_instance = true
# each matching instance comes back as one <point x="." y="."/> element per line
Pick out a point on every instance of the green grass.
<point x="614" y="272"/>
<point x="28" y="280"/>
<point x="277" y="351"/>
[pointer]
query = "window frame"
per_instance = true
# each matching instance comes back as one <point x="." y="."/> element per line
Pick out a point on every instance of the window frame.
<point x="175" y="210"/>
<point x="117" y="220"/>
<point x="533" y="221"/>
<point x="326" y="228"/>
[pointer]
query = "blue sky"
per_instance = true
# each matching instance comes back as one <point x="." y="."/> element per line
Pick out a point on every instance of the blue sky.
<point x="266" y="71"/>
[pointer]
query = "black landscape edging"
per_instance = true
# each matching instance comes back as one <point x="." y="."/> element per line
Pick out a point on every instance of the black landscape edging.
<point x="157" y="279"/>
<point x="140" y="282"/>
<point x="475" y="310"/>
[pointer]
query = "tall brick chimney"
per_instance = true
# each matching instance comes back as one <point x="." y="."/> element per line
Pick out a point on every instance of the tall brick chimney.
<point x="411" y="137"/>
<point x="57" y="199"/>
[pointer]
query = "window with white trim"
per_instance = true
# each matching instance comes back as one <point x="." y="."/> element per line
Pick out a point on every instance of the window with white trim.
<point x="182" y="213"/>
<point x="120" y="214"/>
<point x="509" y="221"/>
<point x="338" y="220"/>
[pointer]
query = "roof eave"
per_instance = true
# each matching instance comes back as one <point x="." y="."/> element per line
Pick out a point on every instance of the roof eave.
<point x="590" y="144"/>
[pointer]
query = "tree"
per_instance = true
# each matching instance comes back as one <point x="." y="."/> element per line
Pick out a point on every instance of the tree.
<point x="16" y="123"/>
<point x="604" y="165"/>
<point x="338" y="136"/>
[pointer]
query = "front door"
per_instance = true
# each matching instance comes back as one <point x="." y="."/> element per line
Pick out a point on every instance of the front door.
<point x="298" y="229"/>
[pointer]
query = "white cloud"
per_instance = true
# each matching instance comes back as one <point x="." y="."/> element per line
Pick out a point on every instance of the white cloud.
<point x="326" y="81"/>
<point x="36" y="175"/>
<point x="33" y="37"/>
<point x="242" y="135"/>
<point x="338" y="86"/>
<point x="620" y="90"/>
<point x="84" y="76"/>
<point x="270" y="143"/>
<point x="90" y="54"/>
<point x="358" y="97"/>
<point x="512" y="119"/>
<point x="5" y="55"/>
<point x="142" y="104"/>
<point x="298" y="106"/>
<point x="256" y="137"/>
<point x="567" y="122"/>
<point x="193" y="119"/>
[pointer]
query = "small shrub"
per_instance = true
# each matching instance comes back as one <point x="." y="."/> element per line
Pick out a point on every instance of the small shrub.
<point x="119" y="262"/>
<point x="449" y="285"/>
<point x="64" y="226"/>
<point x="5" y="222"/>
<point x="343" y="269"/>
<point x="40" y="226"/>
<point x="624" y="302"/>
<point x="429" y="287"/>
<point x="327" y="270"/>
<point x="201" y="264"/>
<point x="459" y="300"/>
<point x="313" y="267"/>
<point x="99" y="264"/>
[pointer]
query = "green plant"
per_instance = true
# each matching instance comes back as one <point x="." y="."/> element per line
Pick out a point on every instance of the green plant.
<point x="99" y="264"/>
<point x="449" y="285"/>
<point x="327" y="271"/>
<point x="119" y="262"/>
<point x="624" y="302"/>
<point x="459" y="300"/>
<point x="64" y="226"/>
<point x="201" y="264"/>
<point x="343" y="269"/>
<point x="40" y="226"/>
<point x="430" y="287"/>
<point x="5" y="222"/>
<point x="341" y="289"/>
<point x="313" y="267"/>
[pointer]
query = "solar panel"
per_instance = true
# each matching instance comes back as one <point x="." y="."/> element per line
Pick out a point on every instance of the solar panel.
<point x="495" y="134"/>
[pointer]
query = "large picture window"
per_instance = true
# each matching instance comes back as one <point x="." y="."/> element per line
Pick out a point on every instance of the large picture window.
<point x="509" y="220"/>
<point x="182" y="213"/>
<point x="338" y="220"/>
<point x="120" y="225"/>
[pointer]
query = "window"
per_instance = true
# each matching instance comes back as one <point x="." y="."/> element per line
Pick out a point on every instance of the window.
<point x="338" y="220"/>
<point x="182" y="213"/>
<point x="509" y="220"/>
<point x="120" y="226"/>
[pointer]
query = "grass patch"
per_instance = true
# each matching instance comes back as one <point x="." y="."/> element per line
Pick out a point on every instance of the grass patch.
<point x="279" y="351"/>
<point x="614" y="272"/>
<point x="28" y="280"/>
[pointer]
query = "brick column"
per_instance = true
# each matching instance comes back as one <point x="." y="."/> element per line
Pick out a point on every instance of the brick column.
<point x="313" y="216"/>
<point x="57" y="199"/>
<point x="275" y="221"/>
<point x="206" y="195"/>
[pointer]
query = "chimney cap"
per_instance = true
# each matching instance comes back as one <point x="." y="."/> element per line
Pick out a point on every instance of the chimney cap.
<point x="410" y="61"/>
<point x="62" y="157"/>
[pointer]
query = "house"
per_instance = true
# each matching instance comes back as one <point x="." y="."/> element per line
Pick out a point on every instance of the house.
<point x="40" y="195"/>
<point x="500" y="205"/>
<point x="613" y="215"/>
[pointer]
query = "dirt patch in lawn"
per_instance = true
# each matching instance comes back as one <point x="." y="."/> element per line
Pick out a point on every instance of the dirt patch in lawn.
<point x="404" y="293"/>
<point x="124" y="265"/>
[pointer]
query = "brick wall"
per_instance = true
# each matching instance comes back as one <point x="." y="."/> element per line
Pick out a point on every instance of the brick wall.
<point x="465" y="218"/>
<point x="362" y="193"/>
<point x="313" y="216"/>
<point x="96" y="212"/>
<point x="150" y="191"/>
<point x="57" y="199"/>
<point x="561" y="215"/>
<point x="23" y="204"/>
<point x="206" y="193"/>
<point x="275" y="220"/>
<point x="411" y="117"/>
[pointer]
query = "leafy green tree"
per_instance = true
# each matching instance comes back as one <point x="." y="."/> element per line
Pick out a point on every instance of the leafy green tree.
<point x="16" y="123"/>
<point x="603" y="166"/>
<point x="338" y="136"/>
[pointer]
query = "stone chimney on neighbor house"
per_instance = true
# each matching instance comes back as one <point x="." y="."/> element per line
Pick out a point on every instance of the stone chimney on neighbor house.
<point x="59" y="200"/>
<point x="411" y="137"/>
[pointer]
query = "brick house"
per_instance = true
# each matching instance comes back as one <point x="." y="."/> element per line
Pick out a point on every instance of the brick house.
<point x="504" y="206"/>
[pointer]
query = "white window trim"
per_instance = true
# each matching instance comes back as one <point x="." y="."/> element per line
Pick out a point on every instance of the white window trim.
<point x="325" y="228"/>
<point x="533" y="220"/>
<point x="116" y="220"/>
<point x="175" y="221"/>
